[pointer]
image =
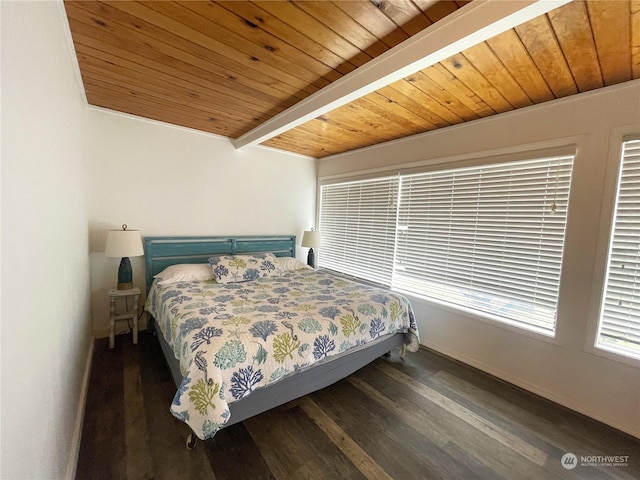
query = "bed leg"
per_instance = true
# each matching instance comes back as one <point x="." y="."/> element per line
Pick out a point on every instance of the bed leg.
<point x="192" y="441"/>
<point x="387" y="355"/>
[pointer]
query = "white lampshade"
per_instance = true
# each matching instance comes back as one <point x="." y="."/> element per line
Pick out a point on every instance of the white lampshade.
<point x="124" y="243"/>
<point x="311" y="239"/>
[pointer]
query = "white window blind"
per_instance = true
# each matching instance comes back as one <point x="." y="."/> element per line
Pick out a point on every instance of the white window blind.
<point x="488" y="238"/>
<point x="358" y="222"/>
<point x="619" y="326"/>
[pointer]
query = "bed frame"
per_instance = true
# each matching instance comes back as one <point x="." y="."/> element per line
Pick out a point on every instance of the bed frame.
<point x="161" y="252"/>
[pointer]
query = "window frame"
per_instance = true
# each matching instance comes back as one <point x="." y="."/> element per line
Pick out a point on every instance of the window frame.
<point x="605" y="232"/>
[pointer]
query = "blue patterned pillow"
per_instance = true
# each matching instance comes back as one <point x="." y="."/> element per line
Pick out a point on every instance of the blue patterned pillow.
<point x="243" y="268"/>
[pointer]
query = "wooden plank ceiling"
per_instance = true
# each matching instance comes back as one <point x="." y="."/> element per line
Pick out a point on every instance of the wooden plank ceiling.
<point x="226" y="67"/>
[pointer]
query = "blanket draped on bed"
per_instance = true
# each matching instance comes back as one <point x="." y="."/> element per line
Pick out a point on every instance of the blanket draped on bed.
<point x="231" y="339"/>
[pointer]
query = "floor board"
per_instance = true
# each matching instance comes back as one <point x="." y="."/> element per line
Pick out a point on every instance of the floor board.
<point x="424" y="416"/>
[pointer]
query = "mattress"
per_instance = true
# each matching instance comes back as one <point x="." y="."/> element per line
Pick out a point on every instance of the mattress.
<point x="233" y="339"/>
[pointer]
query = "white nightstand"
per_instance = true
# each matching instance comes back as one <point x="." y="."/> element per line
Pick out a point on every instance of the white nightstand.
<point x="130" y="312"/>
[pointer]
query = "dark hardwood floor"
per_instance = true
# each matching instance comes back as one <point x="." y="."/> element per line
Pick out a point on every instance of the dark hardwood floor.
<point x="422" y="417"/>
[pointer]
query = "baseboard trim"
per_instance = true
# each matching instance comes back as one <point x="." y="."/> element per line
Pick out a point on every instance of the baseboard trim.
<point x="77" y="433"/>
<point x="535" y="389"/>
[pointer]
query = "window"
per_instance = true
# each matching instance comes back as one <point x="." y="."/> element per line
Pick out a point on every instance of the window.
<point x="487" y="238"/>
<point x="619" y="326"/>
<point x="358" y="224"/>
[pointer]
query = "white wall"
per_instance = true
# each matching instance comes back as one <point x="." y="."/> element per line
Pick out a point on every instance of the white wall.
<point x="46" y="327"/>
<point x="165" y="180"/>
<point x="69" y="174"/>
<point x="566" y="369"/>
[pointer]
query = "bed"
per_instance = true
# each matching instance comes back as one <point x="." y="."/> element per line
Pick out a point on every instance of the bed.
<point x="262" y="328"/>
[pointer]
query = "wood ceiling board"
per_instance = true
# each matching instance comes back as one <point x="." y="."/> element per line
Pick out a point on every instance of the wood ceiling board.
<point x="577" y="44"/>
<point x="464" y="28"/>
<point x="514" y="56"/>
<point x="170" y="50"/>
<point x="365" y="122"/>
<point x="612" y="34"/>
<point x="316" y="138"/>
<point x="635" y="38"/>
<point x="442" y="96"/>
<point x="337" y="20"/>
<point x="406" y="95"/>
<point x="332" y="135"/>
<point x="140" y="75"/>
<point x="374" y="20"/>
<point x="359" y="124"/>
<point x="227" y="67"/>
<point x="437" y="114"/>
<point x="235" y="32"/>
<point x="442" y="77"/>
<point x="393" y="112"/>
<point x="405" y="14"/>
<point x="181" y="23"/>
<point x="362" y="120"/>
<point x="150" y="99"/>
<point x="489" y="65"/>
<point x="161" y="56"/>
<point x="291" y="14"/>
<point x="436" y="11"/>
<point x="463" y="70"/>
<point x="540" y="41"/>
<point x="163" y="94"/>
<point x="191" y="109"/>
<point x="319" y="134"/>
<point x="253" y="14"/>
<point x="163" y="98"/>
<point x="140" y="107"/>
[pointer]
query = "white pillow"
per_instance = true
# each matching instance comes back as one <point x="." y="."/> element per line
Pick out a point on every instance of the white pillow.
<point x="288" y="264"/>
<point x="185" y="272"/>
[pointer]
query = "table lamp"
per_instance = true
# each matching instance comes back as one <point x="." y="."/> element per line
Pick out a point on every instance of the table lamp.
<point x="311" y="240"/>
<point x="124" y="243"/>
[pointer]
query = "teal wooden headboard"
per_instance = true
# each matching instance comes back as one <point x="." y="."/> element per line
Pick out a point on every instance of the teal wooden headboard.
<point x="160" y="252"/>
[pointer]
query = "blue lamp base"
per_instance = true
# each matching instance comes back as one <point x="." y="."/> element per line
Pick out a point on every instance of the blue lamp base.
<point x="311" y="258"/>
<point x="125" y="275"/>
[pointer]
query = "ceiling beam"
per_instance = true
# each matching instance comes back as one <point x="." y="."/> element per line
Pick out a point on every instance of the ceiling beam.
<point x="468" y="26"/>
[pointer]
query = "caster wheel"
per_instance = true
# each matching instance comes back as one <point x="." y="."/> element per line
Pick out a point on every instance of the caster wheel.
<point x="192" y="441"/>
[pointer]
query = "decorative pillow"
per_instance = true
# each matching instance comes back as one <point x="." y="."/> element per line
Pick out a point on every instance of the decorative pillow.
<point x="185" y="272"/>
<point x="242" y="268"/>
<point x="289" y="264"/>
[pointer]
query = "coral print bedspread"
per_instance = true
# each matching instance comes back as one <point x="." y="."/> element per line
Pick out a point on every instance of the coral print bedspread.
<point x="236" y="337"/>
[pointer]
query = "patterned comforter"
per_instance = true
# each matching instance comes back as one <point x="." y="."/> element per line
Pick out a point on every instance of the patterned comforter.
<point x="231" y="339"/>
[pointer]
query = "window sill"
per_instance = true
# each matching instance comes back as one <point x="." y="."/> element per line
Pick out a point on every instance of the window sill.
<point x="612" y="355"/>
<point x="480" y="317"/>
